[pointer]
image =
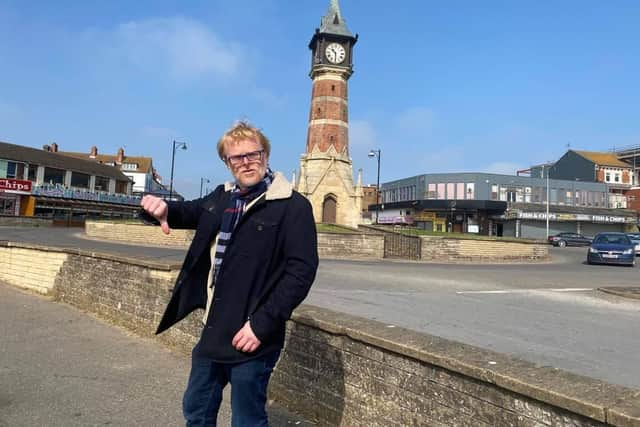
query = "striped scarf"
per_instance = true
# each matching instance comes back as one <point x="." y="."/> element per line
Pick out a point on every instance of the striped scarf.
<point x="232" y="214"/>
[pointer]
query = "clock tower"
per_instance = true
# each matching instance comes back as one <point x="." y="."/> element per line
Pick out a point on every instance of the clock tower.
<point x="326" y="172"/>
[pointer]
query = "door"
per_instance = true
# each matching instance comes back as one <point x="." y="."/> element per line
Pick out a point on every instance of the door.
<point x="329" y="207"/>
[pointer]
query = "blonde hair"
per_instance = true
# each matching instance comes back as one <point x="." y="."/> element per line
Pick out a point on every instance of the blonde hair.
<point x="243" y="130"/>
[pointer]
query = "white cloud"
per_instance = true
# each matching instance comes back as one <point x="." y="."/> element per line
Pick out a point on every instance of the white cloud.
<point x="362" y="134"/>
<point x="415" y="120"/>
<point x="506" y="168"/>
<point x="8" y="109"/>
<point x="183" y="47"/>
<point x="160" y="133"/>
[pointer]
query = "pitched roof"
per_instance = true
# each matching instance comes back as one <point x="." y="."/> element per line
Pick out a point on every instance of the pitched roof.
<point x="333" y="22"/>
<point x="602" y="159"/>
<point x="144" y="163"/>
<point x="40" y="157"/>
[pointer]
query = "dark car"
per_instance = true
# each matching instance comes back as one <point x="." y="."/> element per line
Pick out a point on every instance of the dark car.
<point x="569" y="239"/>
<point x="611" y="248"/>
<point x="635" y="239"/>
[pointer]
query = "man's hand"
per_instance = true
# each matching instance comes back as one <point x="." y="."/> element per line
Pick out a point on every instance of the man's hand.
<point x="157" y="208"/>
<point x="245" y="340"/>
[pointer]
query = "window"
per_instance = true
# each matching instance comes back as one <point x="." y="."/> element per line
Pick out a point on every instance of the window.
<point x="470" y="191"/>
<point x="121" y="187"/>
<point x="53" y="176"/>
<point x="460" y="190"/>
<point x="130" y="166"/>
<point x="494" y="192"/>
<point x="80" y="180"/>
<point x="441" y="193"/>
<point x="431" y="191"/>
<point x="33" y="173"/>
<point x="616" y="177"/>
<point x="11" y="170"/>
<point x="607" y="177"/>
<point x="451" y="192"/>
<point x="102" y="184"/>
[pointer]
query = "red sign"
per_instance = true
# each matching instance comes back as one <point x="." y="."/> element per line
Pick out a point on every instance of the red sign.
<point x="15" y="185"/>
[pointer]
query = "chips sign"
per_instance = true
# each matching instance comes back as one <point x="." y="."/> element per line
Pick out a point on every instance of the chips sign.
<point x="8" y="184"/>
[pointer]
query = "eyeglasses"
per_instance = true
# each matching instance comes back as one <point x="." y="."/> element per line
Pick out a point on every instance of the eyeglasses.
<point x="254" y="156"/>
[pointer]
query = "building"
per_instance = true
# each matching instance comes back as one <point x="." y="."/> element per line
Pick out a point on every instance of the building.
<point x="36" y="182"/>
<point x="631" y="156"/>
<point x="502" y="205"/>
<point x="140" y="169"/>
<point x="369" y="197"/>
<point x="592" y="166"/>
<point x="326" y="170"/>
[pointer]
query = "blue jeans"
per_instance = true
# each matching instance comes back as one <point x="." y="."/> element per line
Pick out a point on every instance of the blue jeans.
<point x="248" y="380"/>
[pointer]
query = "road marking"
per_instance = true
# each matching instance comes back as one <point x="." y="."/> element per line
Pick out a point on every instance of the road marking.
<point x="520" y="291"/>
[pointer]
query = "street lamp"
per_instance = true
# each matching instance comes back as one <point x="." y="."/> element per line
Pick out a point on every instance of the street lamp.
<point x="203" y="180"/>
<point x="176" y="145"/>
<point x="372" y="154"/>
<point x="547" y="216"/>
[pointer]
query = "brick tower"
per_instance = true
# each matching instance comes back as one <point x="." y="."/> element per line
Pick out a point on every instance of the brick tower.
<point x="326" y="172"/>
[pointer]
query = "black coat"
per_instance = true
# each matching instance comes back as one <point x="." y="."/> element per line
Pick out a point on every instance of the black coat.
<point x="267" y="271"/>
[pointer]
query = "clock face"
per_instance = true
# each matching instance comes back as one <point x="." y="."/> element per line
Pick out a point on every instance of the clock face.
<point x="335" y="53"/>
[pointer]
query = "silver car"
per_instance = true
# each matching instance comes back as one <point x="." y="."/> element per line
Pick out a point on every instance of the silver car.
<point x="635" y="239"/>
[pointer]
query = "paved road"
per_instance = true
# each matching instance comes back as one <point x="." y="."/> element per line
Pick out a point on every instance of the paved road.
<point x="550" y="313"/>
<point x="61" y="367"/>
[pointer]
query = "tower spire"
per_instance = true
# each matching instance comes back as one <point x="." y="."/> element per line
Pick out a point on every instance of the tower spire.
<point x="333" y="23"/>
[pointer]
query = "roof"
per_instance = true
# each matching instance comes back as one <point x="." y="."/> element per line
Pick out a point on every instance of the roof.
<point x="41" y="157"/>
<point x="333" y="23"/>
<point x="602" y="159"/>
<point x="144" y="163"/>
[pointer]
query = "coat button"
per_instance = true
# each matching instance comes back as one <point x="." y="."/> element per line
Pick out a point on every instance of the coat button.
<point x="259" y="227"/>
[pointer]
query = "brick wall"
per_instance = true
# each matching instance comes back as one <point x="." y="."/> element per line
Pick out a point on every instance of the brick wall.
<point x="348" y="371"/>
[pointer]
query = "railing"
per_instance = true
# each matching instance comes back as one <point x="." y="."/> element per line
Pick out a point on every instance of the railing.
<point x="60" y="191"/>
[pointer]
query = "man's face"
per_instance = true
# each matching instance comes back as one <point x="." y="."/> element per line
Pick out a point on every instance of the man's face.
<point x="247" y="161"/>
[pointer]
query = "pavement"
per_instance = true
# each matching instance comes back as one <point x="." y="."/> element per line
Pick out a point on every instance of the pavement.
<point x="63" y="367"/>
<point x="623" y="291"/>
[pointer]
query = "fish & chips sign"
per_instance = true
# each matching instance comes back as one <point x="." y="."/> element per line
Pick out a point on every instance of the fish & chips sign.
<point x="607" y="219"/>
<point x="17" y="185"/>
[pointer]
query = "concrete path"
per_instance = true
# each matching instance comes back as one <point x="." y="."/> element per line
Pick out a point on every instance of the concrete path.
<point x="62" y="367"/>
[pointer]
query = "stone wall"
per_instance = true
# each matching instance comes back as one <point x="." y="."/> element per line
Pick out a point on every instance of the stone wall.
<point x="24" y="221"/>
<point x="137" y="233"/>
<point x="330" y="245"/>
<point x="350" y="246"/>
<point x="348" y="371"/>
<point x="29" y="268"/>
<point x="449" y="249"/>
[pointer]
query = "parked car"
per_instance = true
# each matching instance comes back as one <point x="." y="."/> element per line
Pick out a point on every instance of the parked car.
<point x="611" y="248"/>
<point x="635" y="239"/>
<point x="569" y="239"/>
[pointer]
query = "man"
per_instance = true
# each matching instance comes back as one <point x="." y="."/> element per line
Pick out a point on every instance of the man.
<point x="252" y="261"/>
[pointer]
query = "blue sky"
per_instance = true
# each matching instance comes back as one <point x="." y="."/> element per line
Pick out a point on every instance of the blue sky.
<point x="454" y="86"/>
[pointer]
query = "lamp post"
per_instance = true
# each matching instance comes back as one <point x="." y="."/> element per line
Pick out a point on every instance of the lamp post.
<point x="176" y="145"/>
<point x="203" y="180"/>
<point x="372" y="154"/>
<point x="547" y="216"/>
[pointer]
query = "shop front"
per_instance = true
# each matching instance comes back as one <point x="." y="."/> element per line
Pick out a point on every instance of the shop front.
<point x="531" y="221"/>
<point x="14" y="195"/>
